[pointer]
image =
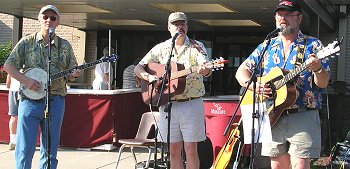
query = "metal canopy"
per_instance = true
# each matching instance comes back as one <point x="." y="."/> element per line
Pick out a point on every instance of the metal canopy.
<point x="129" y="14"/>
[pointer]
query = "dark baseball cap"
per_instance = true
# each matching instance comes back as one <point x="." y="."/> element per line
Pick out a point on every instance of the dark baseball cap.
<point x="289" y="5"/>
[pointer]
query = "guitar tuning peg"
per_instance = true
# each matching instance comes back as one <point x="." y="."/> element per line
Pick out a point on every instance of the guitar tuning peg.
<point x="341" y="40"/>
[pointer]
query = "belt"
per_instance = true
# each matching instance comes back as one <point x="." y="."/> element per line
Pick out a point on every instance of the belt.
<point x="185" y="100"/>
<point x="297" y="110"/>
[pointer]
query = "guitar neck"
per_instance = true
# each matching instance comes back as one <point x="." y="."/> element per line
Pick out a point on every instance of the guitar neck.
<point x="331" y="49"/>
<point x="69" y="71"/>
<point x="184" y="72"/>
<point x="293" y="73"/>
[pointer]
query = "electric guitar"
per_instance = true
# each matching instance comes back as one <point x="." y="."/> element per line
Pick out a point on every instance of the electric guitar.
<point x="178" y="79"/>
<point x="41" y="76"/>
<point x="285" y="93"/>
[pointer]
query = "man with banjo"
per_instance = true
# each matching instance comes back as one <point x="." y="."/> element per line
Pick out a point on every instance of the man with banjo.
<point x="30" y="53"/>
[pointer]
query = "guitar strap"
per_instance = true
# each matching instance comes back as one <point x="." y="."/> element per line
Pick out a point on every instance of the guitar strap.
<point x="198" y="47"/>
<point x="301" y="53"/>
<point x="300" y="56"/>
<point x="59" y="51"/>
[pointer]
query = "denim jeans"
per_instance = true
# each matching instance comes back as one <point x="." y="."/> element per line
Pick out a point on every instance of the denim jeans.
<point x="30" y="117"/>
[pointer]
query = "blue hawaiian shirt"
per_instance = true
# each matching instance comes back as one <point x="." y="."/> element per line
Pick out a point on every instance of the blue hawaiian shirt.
<point x="309" y="95"/>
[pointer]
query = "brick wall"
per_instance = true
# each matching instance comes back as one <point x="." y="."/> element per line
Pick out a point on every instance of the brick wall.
<point x="5" y="28"/>
<point x="91" y="55"/>
<point x="73" y="35"/>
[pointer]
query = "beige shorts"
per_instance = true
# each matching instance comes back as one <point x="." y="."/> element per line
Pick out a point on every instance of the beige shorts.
<point x="187" y="122"/>
<point x="299" y="134"/>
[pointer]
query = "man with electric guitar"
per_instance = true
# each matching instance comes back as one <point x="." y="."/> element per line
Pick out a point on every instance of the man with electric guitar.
<point x="31" y="53"/>
<point x="294" y="72"/>
<point x="187" y="111"/>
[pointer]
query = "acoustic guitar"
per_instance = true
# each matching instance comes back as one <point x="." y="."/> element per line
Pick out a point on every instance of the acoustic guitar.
<point x="41" y="76"/>
<point x="224" y="156"/>
<point x="285" y="93"/>
<point x="178" y="79"/>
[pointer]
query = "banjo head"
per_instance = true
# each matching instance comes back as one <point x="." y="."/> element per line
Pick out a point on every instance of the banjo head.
<point x="39" y="75"/>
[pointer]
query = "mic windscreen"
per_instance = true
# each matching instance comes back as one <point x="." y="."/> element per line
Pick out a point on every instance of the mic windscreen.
<point x="285" y="29"/>
<point x="282" y="28"/>
<point x="51" y="30"/>
<point x="175" y="35"/>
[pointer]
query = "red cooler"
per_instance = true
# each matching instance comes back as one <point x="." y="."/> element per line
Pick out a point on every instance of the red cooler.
<point x="218" y="112"/>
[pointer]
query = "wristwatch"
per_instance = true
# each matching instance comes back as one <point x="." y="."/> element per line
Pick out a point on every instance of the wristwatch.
<point x="319" y="70"/>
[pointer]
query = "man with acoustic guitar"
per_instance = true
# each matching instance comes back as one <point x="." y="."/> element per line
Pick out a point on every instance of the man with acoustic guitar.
<point x="296" y="136"/>
<point x="187" y="112"/>
<point x="31" y="53"/>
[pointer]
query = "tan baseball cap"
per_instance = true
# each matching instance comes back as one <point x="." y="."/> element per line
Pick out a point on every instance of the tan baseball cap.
<point x="49" y="7"/>
<point x="177" y="16"/>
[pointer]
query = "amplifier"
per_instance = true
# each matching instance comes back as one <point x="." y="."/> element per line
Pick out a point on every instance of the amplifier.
<point x="341" y="154"/>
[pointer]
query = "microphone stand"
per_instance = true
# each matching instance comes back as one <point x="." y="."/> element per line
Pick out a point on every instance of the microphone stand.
<point x="166" y="78"/>
<point x="156" y="133"/>
<point x="48" y="104"/>
<point x="255" y="114"/>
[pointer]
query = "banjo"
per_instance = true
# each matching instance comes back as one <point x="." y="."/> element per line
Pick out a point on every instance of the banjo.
<point x="40" y="75"/>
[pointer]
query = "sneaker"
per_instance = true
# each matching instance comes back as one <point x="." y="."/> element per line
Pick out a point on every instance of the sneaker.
<point x="12" y="146"/>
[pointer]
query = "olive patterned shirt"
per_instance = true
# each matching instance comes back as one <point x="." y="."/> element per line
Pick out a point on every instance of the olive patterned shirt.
<point x="32" y="52"/>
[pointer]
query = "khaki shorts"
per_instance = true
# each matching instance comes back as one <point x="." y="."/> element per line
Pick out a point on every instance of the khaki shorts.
<point x="13" y="103"/>
<point x="187" y="122"/>
<point x="299" y="134"/>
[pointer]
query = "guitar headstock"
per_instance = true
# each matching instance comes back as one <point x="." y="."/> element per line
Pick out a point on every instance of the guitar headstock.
<point x="216" y="64"/>
<point x="331" y="49"/>
<point x="111" y="58"/>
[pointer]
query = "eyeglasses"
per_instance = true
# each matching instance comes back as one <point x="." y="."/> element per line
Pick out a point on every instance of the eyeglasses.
<point x="52" y="18"/>
<point x="287" y="16"/>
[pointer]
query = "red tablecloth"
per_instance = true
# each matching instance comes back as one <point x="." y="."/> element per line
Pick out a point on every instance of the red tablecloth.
<point x="91" y="120"/>
<point x="4" y="118"/>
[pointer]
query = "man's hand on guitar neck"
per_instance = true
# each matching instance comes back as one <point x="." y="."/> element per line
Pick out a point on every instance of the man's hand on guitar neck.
<point x="321" y="76"/>
<point x="206" y="72"/>
<point x="313" y="63"/>
<point x="76" y="73"/>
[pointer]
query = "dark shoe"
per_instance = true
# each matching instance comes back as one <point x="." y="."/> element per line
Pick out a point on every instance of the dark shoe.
<point x="12" y="146"/>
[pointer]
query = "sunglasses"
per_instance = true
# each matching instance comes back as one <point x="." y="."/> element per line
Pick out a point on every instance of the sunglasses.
<point x="52" y="18"/>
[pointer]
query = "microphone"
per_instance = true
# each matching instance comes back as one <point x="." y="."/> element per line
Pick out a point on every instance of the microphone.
<point x="51" y="31"/>
<point x="176" y="35"/>
<point x="274" y="32"/>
